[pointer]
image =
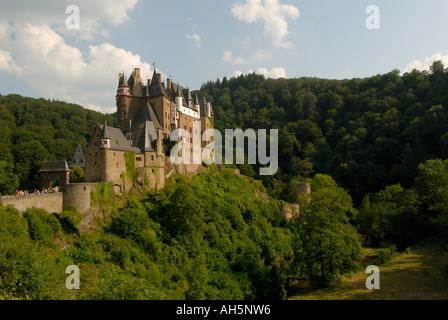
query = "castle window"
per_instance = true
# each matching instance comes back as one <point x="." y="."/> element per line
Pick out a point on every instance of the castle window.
<point x="153" y="171"/>
<point x="117" y="165"/>
<point x="152" y="158"/>
<point x="139" y="159"/>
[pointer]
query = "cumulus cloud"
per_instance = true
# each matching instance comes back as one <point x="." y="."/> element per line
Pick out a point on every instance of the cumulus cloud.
<point x="54" y="69"/>
<point x="94" y="15"/>
<point x="227" y="56"/>
<point x="273" y="15"/>
<point x="196" y="39"/>
<point x="257" y="56"/>
<point x="274" y="73"/>
<point x="34" y="49"/>
<point x="425" y="64"/>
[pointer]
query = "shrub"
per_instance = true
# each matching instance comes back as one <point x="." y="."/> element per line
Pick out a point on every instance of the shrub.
<point x="385" y="254"/>
<point x="70" y="220"/>
<point x="41" y="225"/>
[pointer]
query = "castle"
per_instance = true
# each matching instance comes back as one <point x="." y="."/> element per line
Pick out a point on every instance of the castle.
<point x="138" y="147"/>
<point x="147" y="115"/>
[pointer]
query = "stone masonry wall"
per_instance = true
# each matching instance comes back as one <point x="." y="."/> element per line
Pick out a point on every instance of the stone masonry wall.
<point x="53" y="202"/>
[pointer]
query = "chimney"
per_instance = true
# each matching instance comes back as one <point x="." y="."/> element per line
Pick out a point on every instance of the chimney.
<point x="160" y="77"/>
<point x="137" y="73"/>
<point x="168" y="84"/>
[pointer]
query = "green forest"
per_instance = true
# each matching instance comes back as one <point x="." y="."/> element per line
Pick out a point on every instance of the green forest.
<point x="35" y="130"/>
<point x="374" y="151"/>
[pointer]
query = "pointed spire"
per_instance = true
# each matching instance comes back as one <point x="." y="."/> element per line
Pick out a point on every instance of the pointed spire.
<point x="155" y="77"/>
<point x="105" y="133"/>
<point x="145" y="143"/>
<point x="196" y="100"/>
<point x="179" y="91"/>
<point x="189" y="97"/>
<point x="123" y="82"/>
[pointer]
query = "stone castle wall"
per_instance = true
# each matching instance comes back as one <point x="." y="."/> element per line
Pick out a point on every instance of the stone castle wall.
<point x="78" y="194"/>
<point x="52" y="202"/>
<point x="72" y="194"/>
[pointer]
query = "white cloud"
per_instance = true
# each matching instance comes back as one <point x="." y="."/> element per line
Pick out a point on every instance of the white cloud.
<point x="274" y="73"/>
<point x="425" y="64"/>
<point x="258" y="56"/>
<point x="93" y="15"/>
<point x="272" y="13"/>
<point x="56" y="70"/>
<point x="227" y="56"/>
<point x="196" y="38"/>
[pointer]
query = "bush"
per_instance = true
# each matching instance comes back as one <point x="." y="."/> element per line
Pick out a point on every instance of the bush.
<point x="41" y="225"/>
<point x="70" y="220"/>
<point x="27" y="275"/>
<point x="385" y="254"/>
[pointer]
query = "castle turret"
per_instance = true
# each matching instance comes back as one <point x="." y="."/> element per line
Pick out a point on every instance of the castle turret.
<point x="196" y="104"/>
<point x="123" y="86"/>
<point x="123" y="101"/>
<point x="105" y="138"/>
<point x="179" y="99"/>
<point x="189" y="99"/>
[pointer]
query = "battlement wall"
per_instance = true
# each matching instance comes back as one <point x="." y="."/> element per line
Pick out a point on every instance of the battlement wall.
<point x="51" y="202"/>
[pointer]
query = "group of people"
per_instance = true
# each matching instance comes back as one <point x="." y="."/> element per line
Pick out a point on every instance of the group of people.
<point x="37" y="191"/>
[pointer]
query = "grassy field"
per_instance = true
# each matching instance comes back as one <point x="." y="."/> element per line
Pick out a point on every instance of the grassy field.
<point x="409" y="276"/>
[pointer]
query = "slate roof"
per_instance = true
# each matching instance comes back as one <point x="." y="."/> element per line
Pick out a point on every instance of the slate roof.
<point x="105" y="132"/>
<point x="55" y="166"/>
<point x="122" y="81"/>
<point x="147" y="138"/>
<point x="139" y="129"/>
<point x="79" y="158"/>
<point x="157" y="89"/>
<point x="118" y="141"/>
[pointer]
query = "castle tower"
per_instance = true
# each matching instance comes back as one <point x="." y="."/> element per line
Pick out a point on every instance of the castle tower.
<point x="303" y="194"/>
<point x="123" y="101"/>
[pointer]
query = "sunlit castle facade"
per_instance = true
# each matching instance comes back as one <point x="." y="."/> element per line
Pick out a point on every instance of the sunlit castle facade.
<point x="147" y="115"/>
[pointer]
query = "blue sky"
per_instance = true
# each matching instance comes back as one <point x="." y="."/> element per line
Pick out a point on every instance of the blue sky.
<point x="194" y="41"/>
